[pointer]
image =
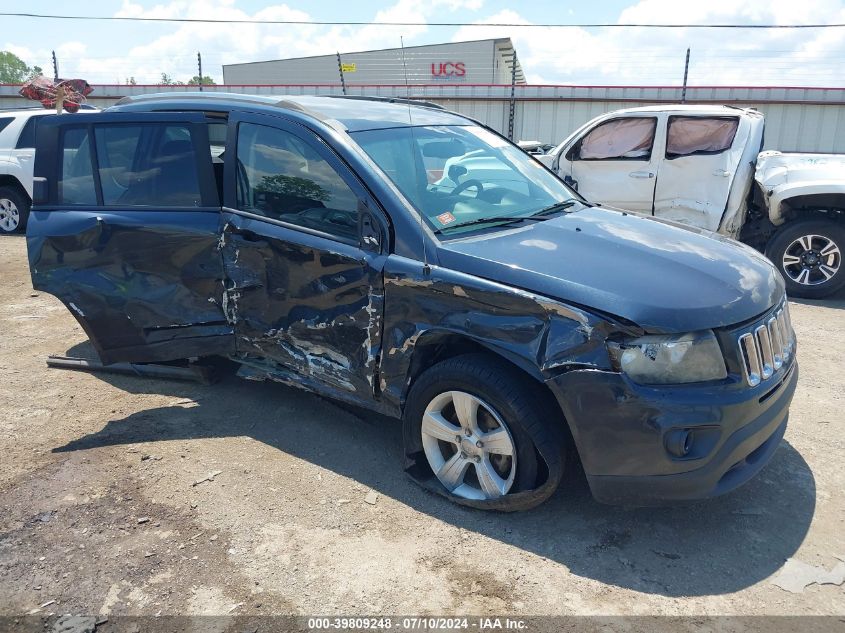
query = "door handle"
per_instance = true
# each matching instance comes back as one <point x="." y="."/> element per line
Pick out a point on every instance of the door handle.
<point x="641" y="174"/>
<point x="721" y="172"/>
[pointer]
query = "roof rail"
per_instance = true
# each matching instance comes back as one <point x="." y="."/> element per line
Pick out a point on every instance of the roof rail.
<point x="25" y="108"/>
<point x="407" y="101"/>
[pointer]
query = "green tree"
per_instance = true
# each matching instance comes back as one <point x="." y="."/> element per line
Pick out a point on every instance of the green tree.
<point x="13" y="70"/>
<point x="131" y="81"/>
<point x="205" y="81"/>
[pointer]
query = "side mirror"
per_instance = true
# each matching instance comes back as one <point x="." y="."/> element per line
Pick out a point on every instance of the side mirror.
<point x="40" y="191"/>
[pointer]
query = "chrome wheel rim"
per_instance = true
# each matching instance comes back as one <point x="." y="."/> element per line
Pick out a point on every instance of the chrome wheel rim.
<point x="811" y="260"/>
<point x="468" y="446"/>
<point x="9" y="215"/>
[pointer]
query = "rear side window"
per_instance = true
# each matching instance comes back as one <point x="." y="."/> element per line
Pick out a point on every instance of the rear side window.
<point x="76" y="185"/>
<point x="147" y="165"/>
<point x="4" y="122"/>
<point x="688" y="135"/>
<point x="282" y="177"/>
<point x="629" y="138"/>
<point x="150" y="165"/>
<point x="27" y="138"/>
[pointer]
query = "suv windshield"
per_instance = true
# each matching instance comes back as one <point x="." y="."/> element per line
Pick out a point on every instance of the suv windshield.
<point x="459" y="176"/>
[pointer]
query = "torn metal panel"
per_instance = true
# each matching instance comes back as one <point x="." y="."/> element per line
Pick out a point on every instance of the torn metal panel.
<point x="142" y="283"/>
<point x="785" y="176"/>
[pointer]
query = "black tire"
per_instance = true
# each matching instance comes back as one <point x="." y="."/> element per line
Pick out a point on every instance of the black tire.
<point x="515" y="400"/>
<point x="19" y="199"/>
<point x="806" y="279"/>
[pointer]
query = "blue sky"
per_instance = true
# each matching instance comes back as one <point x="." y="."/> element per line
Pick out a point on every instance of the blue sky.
<point x="111" y="52"/>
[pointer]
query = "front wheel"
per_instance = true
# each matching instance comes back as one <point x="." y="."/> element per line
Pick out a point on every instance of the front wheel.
<point x="477" y="420"/>
<point x="808" y="254"/>
<point x="14" y="210"/>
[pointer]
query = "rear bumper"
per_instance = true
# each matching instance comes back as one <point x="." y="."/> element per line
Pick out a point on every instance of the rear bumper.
<point x="621" y="443"/>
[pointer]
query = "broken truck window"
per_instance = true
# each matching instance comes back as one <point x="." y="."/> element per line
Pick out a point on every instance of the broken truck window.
<point x="689" y="135"/>
<point x="625" y="138"/>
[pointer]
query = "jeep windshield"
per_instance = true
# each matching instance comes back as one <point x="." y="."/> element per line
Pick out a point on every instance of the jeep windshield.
<point x="465" y="178"/>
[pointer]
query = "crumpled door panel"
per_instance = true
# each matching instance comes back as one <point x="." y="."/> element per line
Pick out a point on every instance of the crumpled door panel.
<point x="141" y="283"/>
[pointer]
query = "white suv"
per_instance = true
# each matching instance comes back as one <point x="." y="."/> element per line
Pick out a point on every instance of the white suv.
<point x="17" y="157"/>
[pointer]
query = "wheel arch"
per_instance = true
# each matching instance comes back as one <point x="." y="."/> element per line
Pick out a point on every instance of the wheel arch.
<point x="435" y="346"/>
<point x="820" y="201"/>
<point x="7" y="180"/>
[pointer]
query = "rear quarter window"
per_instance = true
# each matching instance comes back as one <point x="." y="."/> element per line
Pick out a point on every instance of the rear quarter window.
<point x="27" y="138"/>
<point x="76" y="185"/>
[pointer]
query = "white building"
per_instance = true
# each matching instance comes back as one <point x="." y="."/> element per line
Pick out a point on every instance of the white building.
<point x="476" y="62"/>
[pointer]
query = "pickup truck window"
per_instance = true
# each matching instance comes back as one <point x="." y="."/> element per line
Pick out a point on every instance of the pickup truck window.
<point x="630" y="138"/>
<point x="690" y="135"/>
<point x="282" y="177"/>
<point x="4" y="122"/>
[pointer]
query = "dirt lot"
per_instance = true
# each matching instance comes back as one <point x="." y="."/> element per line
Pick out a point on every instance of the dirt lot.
<point x="101" y="513"/>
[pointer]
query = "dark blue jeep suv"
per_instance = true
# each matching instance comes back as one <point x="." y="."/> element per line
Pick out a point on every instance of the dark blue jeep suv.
<point x="406" y="259"/>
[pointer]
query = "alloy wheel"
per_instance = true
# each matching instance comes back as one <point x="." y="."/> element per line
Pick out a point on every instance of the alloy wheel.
<point x="468" y="446"/>
<point x="812" y="259"/>
<point x="9" y="215"/>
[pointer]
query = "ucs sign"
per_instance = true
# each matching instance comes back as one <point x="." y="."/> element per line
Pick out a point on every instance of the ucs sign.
<point x="448" y="70"/>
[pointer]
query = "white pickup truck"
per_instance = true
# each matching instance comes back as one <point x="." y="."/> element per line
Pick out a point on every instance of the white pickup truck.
<point x="702" y="165"/>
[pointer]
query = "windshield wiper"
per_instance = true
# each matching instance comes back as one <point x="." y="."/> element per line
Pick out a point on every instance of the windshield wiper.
<point x="563" y="205"/>
<point x="504" y="219"/>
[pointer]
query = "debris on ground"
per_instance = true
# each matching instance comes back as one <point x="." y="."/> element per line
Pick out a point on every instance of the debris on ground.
<point x="371" y="498"/>
<point x="75" y="624"/>
<point x="209" y="477"/>
<point x="795" y="575"/>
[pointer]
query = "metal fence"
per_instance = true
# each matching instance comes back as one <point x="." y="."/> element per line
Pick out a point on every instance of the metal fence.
<point x="798" y="119"/>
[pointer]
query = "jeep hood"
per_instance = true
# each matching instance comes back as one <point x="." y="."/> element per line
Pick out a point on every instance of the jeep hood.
<point x="660" y="275"/>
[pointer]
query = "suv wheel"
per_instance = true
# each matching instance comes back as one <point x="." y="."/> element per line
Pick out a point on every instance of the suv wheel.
<point x="473" y="414"/>
<point x="14" y="210"/>
<point x="809" y="256"/>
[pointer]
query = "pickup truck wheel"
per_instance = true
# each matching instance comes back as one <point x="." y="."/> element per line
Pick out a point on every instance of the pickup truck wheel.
<point x="809" y="256"/>
<point x="14" y="210"/>
<point x="471" y="413"/>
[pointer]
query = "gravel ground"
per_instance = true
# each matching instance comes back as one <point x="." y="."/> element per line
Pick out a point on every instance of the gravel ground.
<point x="102" y="512"/>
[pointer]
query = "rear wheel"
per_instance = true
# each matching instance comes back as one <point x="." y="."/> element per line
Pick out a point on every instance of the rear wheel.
<point x="809" y="256"/>
<point x="476" y="417"/>
<point x="14" y="210"/>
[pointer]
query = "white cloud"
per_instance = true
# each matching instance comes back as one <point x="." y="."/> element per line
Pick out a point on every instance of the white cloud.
<point x="640" y="56"/>
<point x="548" y="55"/>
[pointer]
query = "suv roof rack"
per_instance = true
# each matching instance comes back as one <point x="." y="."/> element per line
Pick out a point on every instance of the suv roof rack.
<point x="405" y="100"/>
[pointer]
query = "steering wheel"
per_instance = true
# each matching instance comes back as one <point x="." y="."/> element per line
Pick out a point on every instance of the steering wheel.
<point x="466" y="185"/>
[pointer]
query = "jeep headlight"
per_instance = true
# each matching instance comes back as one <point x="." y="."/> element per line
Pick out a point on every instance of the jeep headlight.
<point x="670" y="359"/>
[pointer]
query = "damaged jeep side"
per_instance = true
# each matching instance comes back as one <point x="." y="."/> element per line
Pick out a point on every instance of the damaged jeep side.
<point x="336" y="245"/>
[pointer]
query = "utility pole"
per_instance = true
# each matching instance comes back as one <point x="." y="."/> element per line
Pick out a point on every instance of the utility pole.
<point x="513" y="96"/>
<point x="686" y="74"/>
<point x="340" y="70"/>
<point x="55" y="67"/>
<point x="199" y="67"/>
